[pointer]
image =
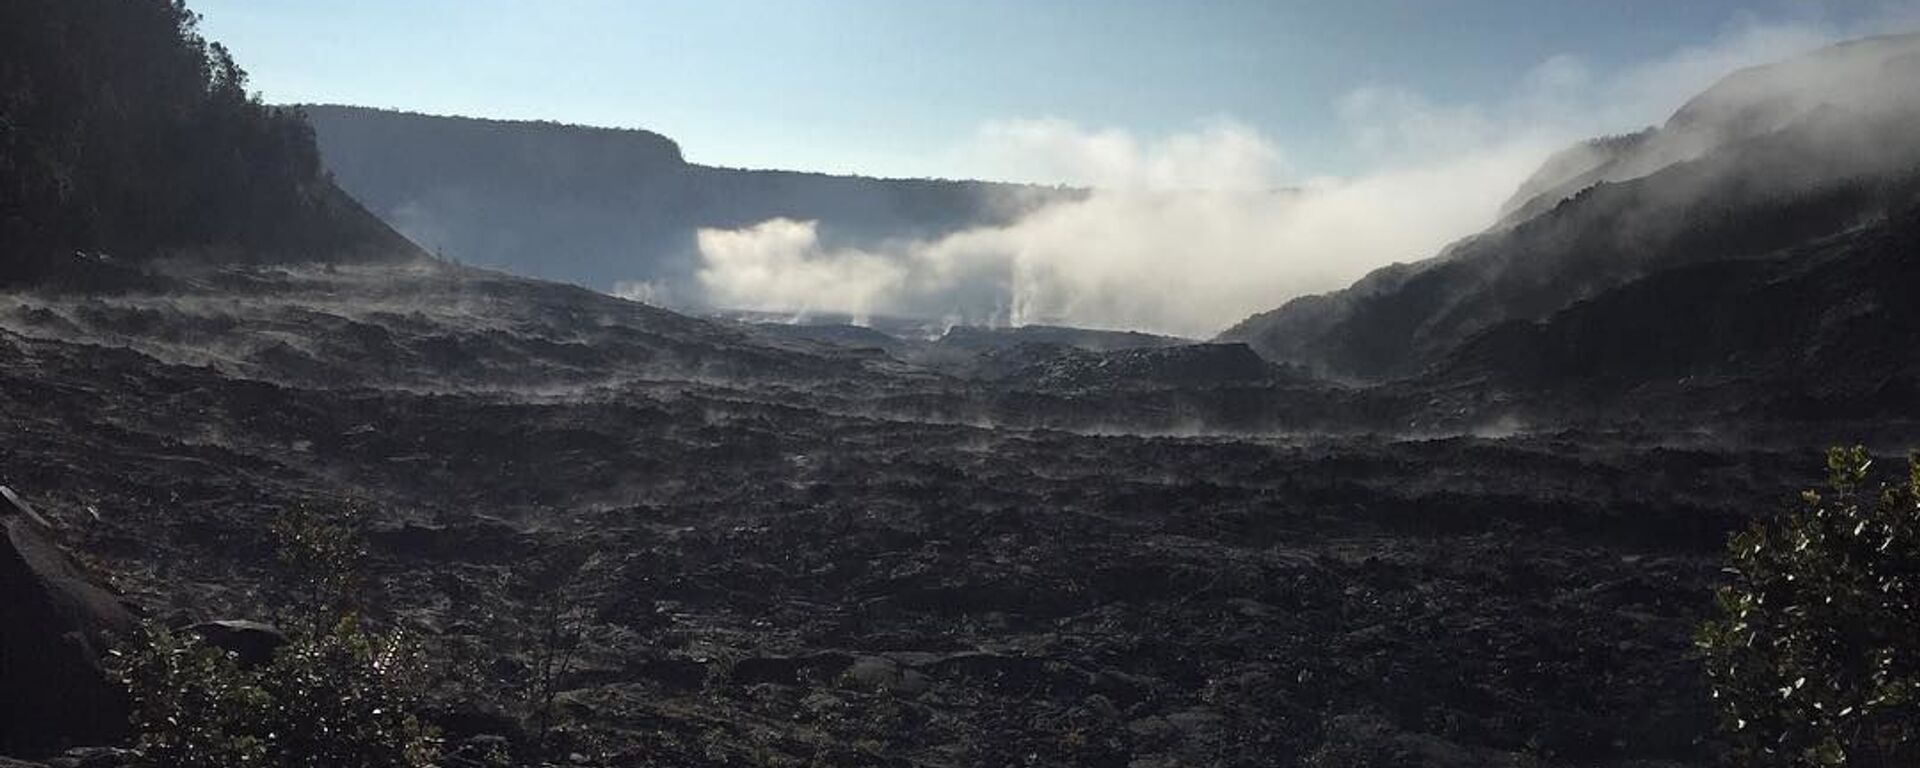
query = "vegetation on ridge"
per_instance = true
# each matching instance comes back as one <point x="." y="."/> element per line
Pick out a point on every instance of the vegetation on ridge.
<point x="123" y="132"/>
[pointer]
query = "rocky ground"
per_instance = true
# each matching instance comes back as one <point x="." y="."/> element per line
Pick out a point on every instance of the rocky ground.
<point x="780" y="552"/>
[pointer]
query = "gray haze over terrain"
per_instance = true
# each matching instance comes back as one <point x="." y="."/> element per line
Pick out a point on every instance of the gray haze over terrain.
<point x="1187" y="234"/>
<point x="614" y="209"/>
<point x="1183" y="234"/>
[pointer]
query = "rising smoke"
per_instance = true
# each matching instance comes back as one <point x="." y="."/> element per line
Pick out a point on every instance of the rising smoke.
<point x="1189" y="233"/>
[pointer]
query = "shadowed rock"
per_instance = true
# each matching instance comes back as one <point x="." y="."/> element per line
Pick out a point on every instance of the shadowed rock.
<point x="251" y="642"/>
<point x="16" y="505"/>
<point x="54" y="626"/>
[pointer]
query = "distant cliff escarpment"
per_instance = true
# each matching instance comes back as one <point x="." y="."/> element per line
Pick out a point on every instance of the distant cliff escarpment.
<point x="610" y="207"/>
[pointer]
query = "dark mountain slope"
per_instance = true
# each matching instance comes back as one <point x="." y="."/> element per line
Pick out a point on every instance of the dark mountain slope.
<point x="1855" y="75"/>
<point x="124" y="133"/>
<point x="599" y="206"/>
<point x="1563" y="173"/>
<point x="1831" y="167"/>
<point x="1822" y="331"/>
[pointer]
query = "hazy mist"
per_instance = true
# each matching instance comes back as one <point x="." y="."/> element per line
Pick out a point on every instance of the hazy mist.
<point x="1191" y="232"/>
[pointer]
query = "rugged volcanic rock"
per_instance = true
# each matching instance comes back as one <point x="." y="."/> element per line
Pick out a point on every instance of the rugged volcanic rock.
<point x="1192" y="365"/>
<point x="1091" y="340"/>
<point x="797" y="551"/>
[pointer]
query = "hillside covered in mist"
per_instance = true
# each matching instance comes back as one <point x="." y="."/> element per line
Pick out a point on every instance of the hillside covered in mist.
<point x="1765" y="213"/>
<point x="613" y="209"/>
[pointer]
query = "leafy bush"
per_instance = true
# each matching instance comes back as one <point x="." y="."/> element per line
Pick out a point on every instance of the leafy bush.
<point x="337" y="694"/>
<point x="320" y="560"/>
<point x="192" y="706"/>
<point x="1815" y="657"/>
<point x="342" y="697"/>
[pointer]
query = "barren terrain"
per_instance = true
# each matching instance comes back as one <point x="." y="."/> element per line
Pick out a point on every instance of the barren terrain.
<point x="782" y="552"/>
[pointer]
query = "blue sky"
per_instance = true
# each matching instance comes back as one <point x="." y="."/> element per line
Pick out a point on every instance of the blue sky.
<point x="904" y="87"/>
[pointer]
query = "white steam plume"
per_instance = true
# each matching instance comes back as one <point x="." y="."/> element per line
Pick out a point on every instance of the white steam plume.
<point x="1190" y="233"/>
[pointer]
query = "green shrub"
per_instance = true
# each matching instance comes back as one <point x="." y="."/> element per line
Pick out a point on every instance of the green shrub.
<point x="1814" y="659"/>
<point x="339" y="693"/>
<point x="192" y="706"/>
<point x="340" y="697"/>
<point x="320" y="558"/>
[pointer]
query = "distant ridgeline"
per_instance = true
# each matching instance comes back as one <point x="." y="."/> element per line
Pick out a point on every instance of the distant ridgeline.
<point x="123" y="133"/>
<point x="597" y="206"/>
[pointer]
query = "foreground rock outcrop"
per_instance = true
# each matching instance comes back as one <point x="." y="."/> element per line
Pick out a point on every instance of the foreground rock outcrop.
<point x="55" y="625"/>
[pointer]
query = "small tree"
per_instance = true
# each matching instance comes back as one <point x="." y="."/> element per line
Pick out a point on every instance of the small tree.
<point x="1814" y="659"/>
<point x="554" y="588"/>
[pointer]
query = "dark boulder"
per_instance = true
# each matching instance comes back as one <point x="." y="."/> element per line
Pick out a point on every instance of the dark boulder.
<point x="468" y="719"/>
<point x="252" y="643"/>
<point x="54" y="627"/>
